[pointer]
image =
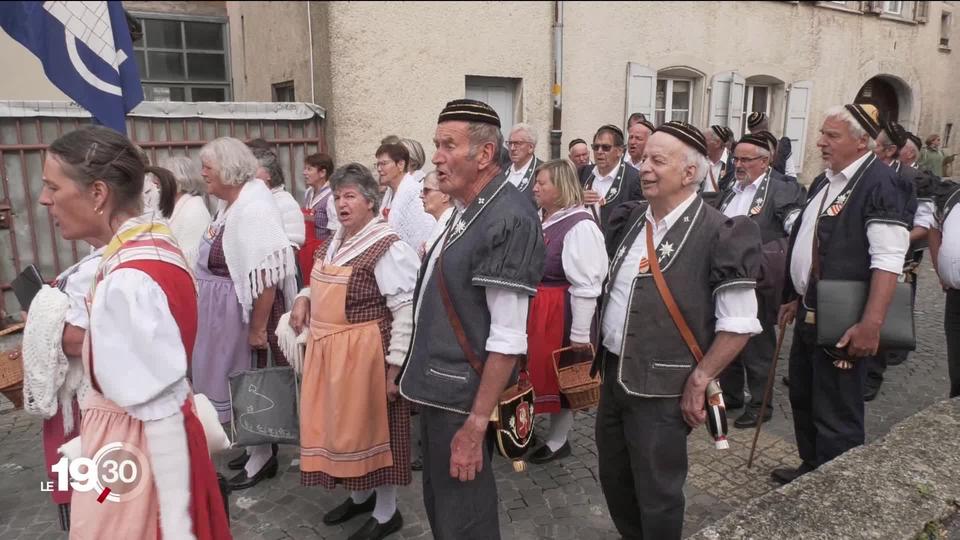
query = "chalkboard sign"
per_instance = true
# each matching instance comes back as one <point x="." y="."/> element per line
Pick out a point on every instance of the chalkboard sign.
<point x="265" y="406"/>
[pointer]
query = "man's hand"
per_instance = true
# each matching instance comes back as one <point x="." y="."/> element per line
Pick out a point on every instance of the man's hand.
<point x="392" y="389"/>
<point x="300" y="315"/>
<point x="861" y="339"/>
<point x="692" y="403"/>
<point x="590" y="197"/>
<point x="788" y="313"/>
<point x="466" y="449"/>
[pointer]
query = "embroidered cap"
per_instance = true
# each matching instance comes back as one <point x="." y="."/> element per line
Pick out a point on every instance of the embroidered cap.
<point x="755" y="119"/>
<point x="867" y="116"/>
<point x="609" y="127"/>
<point x="723" y="133"/>
<point x="469" y="110"/>
<point x="760" y="140"/>
<point x="914" y="139"/>
<point x="687" y="133"/>
<point x="896" y="134"/>
<point x="647" y="124"/>
<point x="576" y="142"/>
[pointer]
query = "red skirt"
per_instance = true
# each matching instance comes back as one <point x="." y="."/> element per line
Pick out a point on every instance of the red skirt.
<point x="547" y="329"/>
<point x="310" y="245"/>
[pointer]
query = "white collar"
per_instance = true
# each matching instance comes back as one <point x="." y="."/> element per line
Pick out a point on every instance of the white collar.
<point x="755" y="184"/>
<point x="522" y="169"/>
<point x="598" y="176"/>
<point x="847" y="173"/>
<point x="629" y="161"/>
<point x="722" y="160"/>
<point x="561" y="214"/>
<point x="674" y="214"/>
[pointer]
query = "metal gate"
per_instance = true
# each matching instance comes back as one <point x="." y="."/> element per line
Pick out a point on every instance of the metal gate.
<point x="27" y="233"/>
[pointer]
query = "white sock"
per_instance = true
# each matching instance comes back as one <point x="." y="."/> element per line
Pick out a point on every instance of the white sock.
<point x="259" y="456"/>
<point x="560" y="424"/>
<point x="386" y="504"/>
<point x="360" y="497"/>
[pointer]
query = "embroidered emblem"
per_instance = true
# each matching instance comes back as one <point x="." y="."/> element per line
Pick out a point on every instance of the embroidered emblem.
<point x="612" y="193"/>
<point x="757" y="206"/>
<point x="666" y="250"/>
<point x="644" y="265"/>
<point x="838" y="204"/>
<point x="522" y="420"/>
<point x="481" y="201"/>
<point x="686" y="219"/>
<point x="622" y="252"/>
<point x="459" y="227"/>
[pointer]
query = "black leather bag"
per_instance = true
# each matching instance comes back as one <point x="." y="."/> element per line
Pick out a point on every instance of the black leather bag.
<point x="840" y="305"/>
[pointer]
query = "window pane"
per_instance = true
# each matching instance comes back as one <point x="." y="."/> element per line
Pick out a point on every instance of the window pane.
<point x="659" y="117"/>
<point x="208" y="94"/>
<point x="680" y="115"/>
<point x="205" y="36"/>
<point x="165" y="93"/>
<point x="681" y="95"/>
<point x="166" y="65"/>
<point x="661" y="94"/>
<point x="759" y="99"/>
<point x="206" y="67"/>
<point x="162" y="34"/>
<point x="141" y="63"/>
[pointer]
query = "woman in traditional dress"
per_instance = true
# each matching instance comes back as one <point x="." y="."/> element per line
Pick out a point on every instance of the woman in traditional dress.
<point x="190" y="217"/>
<point x="562" y="313"/>
<point x="319" y="215"/>
<point x="354" y="426"/>
<point x="246" y="273"/>
<point x="143" y="294"/>
<point x="417" y="159"/>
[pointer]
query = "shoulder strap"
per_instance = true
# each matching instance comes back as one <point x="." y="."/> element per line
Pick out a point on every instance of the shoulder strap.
<point x="455" y="320"/>
<point x="668" y="300"/>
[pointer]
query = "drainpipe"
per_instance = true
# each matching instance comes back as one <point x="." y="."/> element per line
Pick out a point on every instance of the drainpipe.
<point x="555" y="132"/>
<point x="313" y="93"/>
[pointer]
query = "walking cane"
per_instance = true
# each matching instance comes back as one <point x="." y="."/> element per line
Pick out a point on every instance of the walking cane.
<point x="767" y="392"/>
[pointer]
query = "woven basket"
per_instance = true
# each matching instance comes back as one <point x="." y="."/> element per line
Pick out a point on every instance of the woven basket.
<point x="581" y="390"/>
<point x="11" y="376"/>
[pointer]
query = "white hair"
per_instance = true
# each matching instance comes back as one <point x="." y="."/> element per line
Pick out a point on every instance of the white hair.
<point x="528" y="129"/>
<point x="186" y="172"/>
<point x="692" y="156"/>
<point x="232" y="159"/>
<point x="856" y="130"/>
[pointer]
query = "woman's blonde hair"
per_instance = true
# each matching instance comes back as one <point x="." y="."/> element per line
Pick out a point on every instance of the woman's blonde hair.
<point x="564" y="176"/>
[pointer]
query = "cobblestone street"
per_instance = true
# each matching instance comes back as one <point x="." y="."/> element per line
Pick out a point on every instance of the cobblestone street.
<point x="559" y="500"/>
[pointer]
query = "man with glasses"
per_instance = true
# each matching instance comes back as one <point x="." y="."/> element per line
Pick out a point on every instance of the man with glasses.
<point x="855" y="227"/>
<point x="759" y="193"/>
<point x="520" y="146"/>
<point x="611" y="182"/>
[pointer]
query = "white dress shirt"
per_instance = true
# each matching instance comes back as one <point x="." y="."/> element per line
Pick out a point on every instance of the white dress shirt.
<point x="516" y="175"/>
<point x="888" y="242"/>
<point x="743" y="198"/>
<point x="735" y="310"/>
<point x="924" y="216"/>
<point x="629" y="161"/>
<point x="714" y="173"/>
<point x="948" y="261"/>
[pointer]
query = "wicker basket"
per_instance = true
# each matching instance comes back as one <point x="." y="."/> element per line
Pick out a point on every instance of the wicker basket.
<point x="11" y="376"/>
<point x="581" y="390"/>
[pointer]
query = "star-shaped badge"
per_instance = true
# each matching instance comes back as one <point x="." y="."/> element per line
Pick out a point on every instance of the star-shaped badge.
<point x="459" y="227"/>
<point x="612" y="193"/>
<point x="758" y="201"/>
<point x="666" y="249"/>
<point x="481" y="201"/>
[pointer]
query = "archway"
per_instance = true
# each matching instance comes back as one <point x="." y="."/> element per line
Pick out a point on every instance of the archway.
<point x="891" y="95"/>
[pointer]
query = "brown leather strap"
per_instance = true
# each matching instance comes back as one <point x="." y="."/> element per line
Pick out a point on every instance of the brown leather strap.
<point x="455" y="320"/>
<point x="668" y="300"/>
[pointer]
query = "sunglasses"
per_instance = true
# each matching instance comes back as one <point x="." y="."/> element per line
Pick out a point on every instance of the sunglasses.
<point x="603" y="147"/>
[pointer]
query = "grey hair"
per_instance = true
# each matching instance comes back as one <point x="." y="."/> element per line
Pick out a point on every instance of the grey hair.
<point x="479" y="134"/>
<point x="267" y="159"/>
<point x="528" y="129"/>
<point x="691" y="156"/>
<point x="417" y="155"/>
<point x="856" y="130"/>
<point x="232" y="159"/>
<point x="430" y="175"/>
<point x="911" y="144"/>
<point x="186" y="172"/>
<point x="356" y="175"/>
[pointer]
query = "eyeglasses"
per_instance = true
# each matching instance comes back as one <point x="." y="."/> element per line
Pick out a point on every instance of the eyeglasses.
<point x="511" y="144"/>
<point x="746" y="160"/>
<point x="382" y="164"/>
<point x="603" y="147"/>
<point x="426" y="191"/>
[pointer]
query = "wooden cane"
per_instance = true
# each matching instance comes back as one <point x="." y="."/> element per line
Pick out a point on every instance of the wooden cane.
<point x="768" y="391"/>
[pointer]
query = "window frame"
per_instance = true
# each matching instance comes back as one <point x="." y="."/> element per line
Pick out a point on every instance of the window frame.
<point x="897" y="13"/>
<point x="748" y="100"/>
<point x="668" y="98"/>
<point x="283" y="86"/>
<point x="187" y="84"/>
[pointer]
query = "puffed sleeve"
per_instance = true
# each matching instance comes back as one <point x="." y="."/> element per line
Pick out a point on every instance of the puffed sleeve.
<point x="76" y="289"/>
<point x="891" y="201"/>
<point x="511" y="256"/>
<point x="396" y="274"/>
<point x="129" y="310"/>
<point x="735" y="255"/>
<point x="585" y="264"/>
<point x="789" y="200"/>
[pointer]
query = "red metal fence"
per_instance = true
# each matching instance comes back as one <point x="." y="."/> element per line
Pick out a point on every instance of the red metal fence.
<point x="27" y="232"/>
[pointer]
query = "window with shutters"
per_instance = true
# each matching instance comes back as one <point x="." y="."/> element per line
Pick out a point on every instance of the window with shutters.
<point x="673" y="100"/>
<point x="757" y="98"/>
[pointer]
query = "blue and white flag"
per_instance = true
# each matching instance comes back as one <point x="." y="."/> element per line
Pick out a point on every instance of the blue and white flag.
<point x="86" y="52"/>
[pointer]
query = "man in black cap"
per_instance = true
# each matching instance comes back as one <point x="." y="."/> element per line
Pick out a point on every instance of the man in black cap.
<point x="718" y="145"/>
<point x="773" y="204"/>
<point x="611" y="181"/>
<point x="890" y="141"/>
<point x="853" y="227"/>
<point x="470" y="307"/>
<point x="637" y="135"/>
<point x="653" y="382"/>
<point x="579" y="153"/>
<point x="783" y="156"/>
<point x="910" y="152"/>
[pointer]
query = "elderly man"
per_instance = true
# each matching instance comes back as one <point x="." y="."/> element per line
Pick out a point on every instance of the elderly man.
<point x="889" y="142"/>
<point x="637" y="135"/>
<point x="720" y="173"/>
<point x="653" y="381"/>
<point x="910" y="153"/>
<point x="471" y="307"/>
<point x="773" y="204"/>
<point x="521" y="145"/>
<point x="945" y="252"/>
<point x="783" y="158"/>
<point x="611" y="181"/>
<point x="854" y="227"/>
<point x="579" y="153"/>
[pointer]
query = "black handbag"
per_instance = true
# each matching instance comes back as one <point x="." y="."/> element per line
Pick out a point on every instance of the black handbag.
<point x="840" y="305"/>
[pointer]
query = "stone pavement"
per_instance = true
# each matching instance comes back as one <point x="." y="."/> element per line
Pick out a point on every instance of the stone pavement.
<point x="558" y="500"/>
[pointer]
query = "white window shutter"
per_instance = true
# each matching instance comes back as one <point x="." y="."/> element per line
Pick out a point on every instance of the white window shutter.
<point x="738" y="85"/>
<point x="720" y="96"/>
<point x="798" y="113"/>
<point x="641" y="91"/>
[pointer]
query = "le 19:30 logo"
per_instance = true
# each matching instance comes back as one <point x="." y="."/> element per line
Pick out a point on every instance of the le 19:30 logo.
<point x="117" y="472"/>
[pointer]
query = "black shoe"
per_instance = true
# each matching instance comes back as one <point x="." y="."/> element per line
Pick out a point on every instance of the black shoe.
<point x="545" y="455"/>
<point x="750" y="416"/>
<point x="417" y="464"/>
<point x="374" y="530"/>
<point x="785" y="476"/>
<point x="349" y="509"/>
<point x="242" y="481"/>
<point x="870" y="392"/>
<point x="730" y="403"/>
<point x="238" y="462"/>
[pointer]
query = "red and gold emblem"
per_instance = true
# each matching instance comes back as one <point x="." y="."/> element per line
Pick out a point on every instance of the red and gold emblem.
<point x="524" y="420"/>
